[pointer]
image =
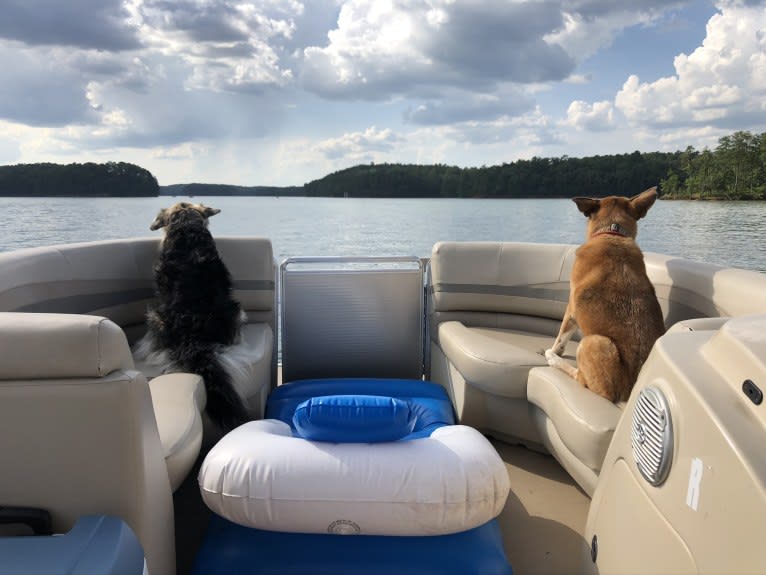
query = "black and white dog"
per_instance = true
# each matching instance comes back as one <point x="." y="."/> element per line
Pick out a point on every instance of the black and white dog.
<point x="195" y="321"/>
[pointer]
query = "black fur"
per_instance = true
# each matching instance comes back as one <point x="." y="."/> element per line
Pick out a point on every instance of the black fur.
<point x="196" y="317"/>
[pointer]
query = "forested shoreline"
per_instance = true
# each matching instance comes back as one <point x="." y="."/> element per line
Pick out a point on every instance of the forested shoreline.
<point x="734" y="170"/>
<point x="111" y="179"/>
<point x="624" y="174"/>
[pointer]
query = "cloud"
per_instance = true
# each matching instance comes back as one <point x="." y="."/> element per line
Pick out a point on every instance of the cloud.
<point x="722" y="80"/>
<point x="594" y="117"/>
<point x="591" y="25"/>
<point x="211" y="84"/>
<point x="360" y="146"/>
<point x="532" y="130"/>
<point x="460" y="61"/>
<point x="455" y="106"/>
<point x="41" y="92"/>
<point x="228" y="45"/>
<point x="89" y="24"/>
<point x="381" y="49"/>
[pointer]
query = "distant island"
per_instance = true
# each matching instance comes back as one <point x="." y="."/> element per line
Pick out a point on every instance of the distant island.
<point x="112" y="179"/>
<point x="229" y="190"/>
<point x="735" y="170"/>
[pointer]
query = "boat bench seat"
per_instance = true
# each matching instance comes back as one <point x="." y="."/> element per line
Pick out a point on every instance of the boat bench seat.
<point x="495" y="306"/>
<point x="114" y="279"/>
<point x="575" y="424"/>
<point x="64" y="346"/>
<point x="79" y="434"/>
<point x="179" y="401"/>
<point x="497" y="361"/>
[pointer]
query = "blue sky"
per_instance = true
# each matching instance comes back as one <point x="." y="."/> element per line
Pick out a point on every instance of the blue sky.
<point x="281" y="92"/>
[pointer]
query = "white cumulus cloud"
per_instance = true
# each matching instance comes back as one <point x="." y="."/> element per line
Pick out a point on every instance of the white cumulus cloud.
<point x="723" y="79"/>
<point x="595" y="117"/>
<point x="364" y="146"/>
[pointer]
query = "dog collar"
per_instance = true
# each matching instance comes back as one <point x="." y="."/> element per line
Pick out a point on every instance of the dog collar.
<point x="612" y="230"/>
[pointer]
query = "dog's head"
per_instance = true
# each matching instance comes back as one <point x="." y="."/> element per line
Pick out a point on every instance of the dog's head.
<point x="181" y="213"/>
<point x="616" y="214"/>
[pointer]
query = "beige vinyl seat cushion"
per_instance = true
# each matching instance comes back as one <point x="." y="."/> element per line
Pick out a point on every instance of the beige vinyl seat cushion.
<point x="253" y="357"/>
<point x="179" y="400"/>
<point x="576" y="424"/>
<point x="496" y="360"/>
<point x="78" y="433"/>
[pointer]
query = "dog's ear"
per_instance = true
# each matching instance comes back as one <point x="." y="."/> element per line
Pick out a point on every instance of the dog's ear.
<point x="642" y="202"/>
<point x="160" y="221"/>
<point x="587" y="205"/>
<point x="207" y="211"/>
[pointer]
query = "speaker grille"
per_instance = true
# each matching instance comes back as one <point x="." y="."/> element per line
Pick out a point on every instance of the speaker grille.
<point x="652" y="435"/>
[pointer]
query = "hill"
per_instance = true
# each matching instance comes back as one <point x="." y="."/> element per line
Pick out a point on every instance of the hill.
<point x="112" y="179"/>
<point x="625" y="174"/>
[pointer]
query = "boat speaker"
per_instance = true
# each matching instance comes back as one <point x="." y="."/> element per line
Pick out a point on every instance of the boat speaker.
<point x="652" y="435"/>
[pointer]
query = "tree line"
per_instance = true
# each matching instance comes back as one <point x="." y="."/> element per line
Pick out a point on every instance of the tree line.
<point x="118" y="179"/>
<point x="734" y="170"/>
<point x="565" y="177"/>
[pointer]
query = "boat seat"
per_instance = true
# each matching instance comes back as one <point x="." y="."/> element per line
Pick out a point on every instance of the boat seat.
<point x="79" y="435"/>
<point x="576" y="425"/>
<point x="114" y="279"/>
<point x="494" y="308"/>
<point x="496" y="361"/>
<point x="179" y="402"/>
<point x="252" y="355"/>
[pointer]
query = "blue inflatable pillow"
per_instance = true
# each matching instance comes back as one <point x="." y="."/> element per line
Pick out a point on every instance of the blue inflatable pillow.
<point x="354" y="418"/>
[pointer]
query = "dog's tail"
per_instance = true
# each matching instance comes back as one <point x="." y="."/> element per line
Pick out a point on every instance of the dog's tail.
<point x="224" y="405"/>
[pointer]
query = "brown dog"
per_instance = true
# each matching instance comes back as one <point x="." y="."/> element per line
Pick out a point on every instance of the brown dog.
<point x="611" y="299"/>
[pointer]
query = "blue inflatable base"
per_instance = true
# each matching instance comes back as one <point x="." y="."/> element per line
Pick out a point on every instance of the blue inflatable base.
<point x="230" y="548"/>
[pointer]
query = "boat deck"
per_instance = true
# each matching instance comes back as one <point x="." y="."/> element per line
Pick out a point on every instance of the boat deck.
<point x="542" y="522"/>
<point x="544" y="518"/>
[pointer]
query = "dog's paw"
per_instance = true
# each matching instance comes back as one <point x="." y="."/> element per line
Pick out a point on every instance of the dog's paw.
<point x="549" y="353"/>
<point x="552" y="357"/>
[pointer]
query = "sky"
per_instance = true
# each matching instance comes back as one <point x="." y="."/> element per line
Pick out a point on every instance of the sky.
<point x="282" y="92"/>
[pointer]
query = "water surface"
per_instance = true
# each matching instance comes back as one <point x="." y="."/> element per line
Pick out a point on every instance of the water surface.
<point x="725" y="233"/>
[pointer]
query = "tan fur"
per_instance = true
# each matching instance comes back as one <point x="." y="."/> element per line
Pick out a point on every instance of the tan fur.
<point x="611" y="300"/>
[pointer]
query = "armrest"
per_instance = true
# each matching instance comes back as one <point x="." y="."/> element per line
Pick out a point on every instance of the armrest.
<point x="58" y="346"/>
<point x="179" y="400"/>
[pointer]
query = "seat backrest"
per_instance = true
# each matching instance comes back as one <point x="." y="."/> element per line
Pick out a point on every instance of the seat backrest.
<point x="78" y="434"/>
<point x="115" y="279"/>
<point x="492" y="284"/>
<point x="688" y="289"/>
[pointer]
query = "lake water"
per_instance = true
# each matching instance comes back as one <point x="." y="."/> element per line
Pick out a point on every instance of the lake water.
<point x="726" y="233"/>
